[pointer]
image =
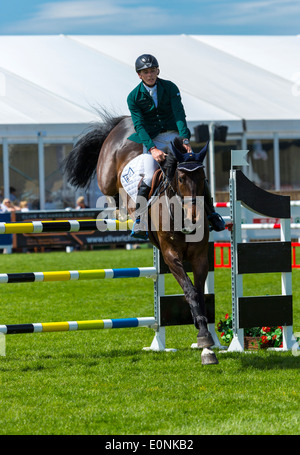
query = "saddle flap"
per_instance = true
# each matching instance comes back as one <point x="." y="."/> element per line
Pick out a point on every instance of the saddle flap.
<point x="156" y="180"/>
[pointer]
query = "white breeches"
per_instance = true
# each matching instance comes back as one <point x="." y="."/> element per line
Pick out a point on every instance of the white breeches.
<point x="150" y="165"/>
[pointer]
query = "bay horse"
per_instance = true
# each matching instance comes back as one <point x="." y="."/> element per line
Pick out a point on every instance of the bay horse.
<point x="105" y="149"/>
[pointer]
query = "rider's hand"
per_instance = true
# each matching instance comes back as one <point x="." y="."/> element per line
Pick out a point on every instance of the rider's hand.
<point x="187" y="147"/>
<point x="158" y="154"/>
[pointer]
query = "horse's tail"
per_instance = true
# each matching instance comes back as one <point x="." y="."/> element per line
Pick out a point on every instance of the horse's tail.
<point x="80" y="165"/>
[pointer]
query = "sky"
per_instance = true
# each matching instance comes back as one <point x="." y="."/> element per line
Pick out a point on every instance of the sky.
<point x="150" y="17"/>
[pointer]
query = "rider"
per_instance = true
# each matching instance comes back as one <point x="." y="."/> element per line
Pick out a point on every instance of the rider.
<point x="158" y="117"/>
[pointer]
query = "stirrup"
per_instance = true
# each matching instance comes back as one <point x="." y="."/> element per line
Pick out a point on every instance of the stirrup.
<point x="138" y="230"/>
<point x="216" y="222"/>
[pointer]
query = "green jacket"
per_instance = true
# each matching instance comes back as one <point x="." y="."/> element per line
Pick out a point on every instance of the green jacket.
<point x="149" y="120"/>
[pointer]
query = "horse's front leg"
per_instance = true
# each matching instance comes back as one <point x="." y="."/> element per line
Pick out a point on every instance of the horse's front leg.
<point x="204" y="337"/>
<point x="200" y="270"/>
<point x="193" y="296"/>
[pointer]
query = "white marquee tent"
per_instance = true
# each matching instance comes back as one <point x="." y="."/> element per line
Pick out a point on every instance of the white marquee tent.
<point x="51" y="86"/>
<point x="54" y="80"/>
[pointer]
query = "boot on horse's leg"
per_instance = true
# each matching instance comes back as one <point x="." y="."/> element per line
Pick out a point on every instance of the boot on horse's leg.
<point x="215" y="220"/>
<point x="204" y="338"/>
<point x="139" y="229"/>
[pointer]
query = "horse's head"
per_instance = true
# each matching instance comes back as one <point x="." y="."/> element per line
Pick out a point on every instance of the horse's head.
<point x="189" y="182"/>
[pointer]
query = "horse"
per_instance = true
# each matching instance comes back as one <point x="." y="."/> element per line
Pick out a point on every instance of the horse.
<point x="105" y="150"/>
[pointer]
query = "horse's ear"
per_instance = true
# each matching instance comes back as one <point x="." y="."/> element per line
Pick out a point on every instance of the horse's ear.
<point x="178" y="143"/>
<point x="169" y="165"/>
<point x="202" y="154"/>
<point x="176" y="152"/>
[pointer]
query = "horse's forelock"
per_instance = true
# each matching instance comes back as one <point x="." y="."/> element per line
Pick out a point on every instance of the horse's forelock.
<point x="169" y="165"/>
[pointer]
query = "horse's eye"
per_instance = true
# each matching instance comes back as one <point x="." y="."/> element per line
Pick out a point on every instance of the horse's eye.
<point x="180" y="179"/>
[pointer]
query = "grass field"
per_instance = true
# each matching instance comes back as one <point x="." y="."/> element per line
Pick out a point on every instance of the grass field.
<point x="102" y="382"/>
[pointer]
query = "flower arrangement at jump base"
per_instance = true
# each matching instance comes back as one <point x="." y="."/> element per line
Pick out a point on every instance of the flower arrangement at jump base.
<point x="265" y="337"/>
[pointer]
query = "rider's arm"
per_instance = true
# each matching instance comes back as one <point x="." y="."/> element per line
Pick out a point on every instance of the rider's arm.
<point x="138" y="123"/>
<point x="179" y="113"/>
<point x="158" y="155"/>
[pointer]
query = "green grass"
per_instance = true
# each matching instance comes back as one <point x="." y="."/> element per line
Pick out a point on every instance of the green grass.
<point x="102" y="382"/>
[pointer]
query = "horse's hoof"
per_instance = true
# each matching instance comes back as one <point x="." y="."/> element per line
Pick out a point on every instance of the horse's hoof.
<point x="208" y="357"/>
<point x="205" y="342"/>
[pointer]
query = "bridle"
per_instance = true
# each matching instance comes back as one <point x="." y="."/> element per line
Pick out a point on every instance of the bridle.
<point x="166" y="184"/>
<point x="181" y="167"/>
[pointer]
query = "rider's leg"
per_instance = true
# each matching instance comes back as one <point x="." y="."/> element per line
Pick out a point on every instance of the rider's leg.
<point x="215" y="220"/>
<point x="150" y="166"/>
<point x="141" y="199"/>
<point x="140" y="226"/>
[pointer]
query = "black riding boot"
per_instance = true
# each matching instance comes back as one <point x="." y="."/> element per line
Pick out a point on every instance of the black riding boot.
<point x="139" y="229"/>
<point x="216" y="222"/>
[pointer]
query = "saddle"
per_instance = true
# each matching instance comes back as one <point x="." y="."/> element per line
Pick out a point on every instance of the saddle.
<point x="156" y="181"/>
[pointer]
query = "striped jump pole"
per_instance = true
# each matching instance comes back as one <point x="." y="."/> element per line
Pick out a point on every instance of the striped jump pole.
<point x="69" y="326"/>
<point x="37" y="227"/>
<point x="258" y="226"/>
<point x="227" y="204"/>
<point x="168" y="309"/>
<point x="75" y="275"/>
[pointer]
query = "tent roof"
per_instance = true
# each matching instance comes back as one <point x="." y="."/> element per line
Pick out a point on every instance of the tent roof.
<point x="62" y="79"/>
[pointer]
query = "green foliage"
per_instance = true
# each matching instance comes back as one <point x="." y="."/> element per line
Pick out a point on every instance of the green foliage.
<point x="225" y="329"/>
<point x="268" y="336"/>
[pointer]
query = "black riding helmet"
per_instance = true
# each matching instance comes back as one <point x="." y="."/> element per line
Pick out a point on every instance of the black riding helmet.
<point x="145" y="61"/>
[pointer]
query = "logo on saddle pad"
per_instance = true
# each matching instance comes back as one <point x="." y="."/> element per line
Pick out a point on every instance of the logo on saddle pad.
<point x="127" y="177"/>
<point x="131" y="175"/>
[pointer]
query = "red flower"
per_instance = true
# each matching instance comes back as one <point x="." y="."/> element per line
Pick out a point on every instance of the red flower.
<point x="264" y="339"/>
<point x="266" y="329"/>
<point x="222" y="334"/>
<point x="226" y="316"/>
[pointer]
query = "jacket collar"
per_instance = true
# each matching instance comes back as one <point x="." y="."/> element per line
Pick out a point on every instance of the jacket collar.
<point x="160" y="89"/>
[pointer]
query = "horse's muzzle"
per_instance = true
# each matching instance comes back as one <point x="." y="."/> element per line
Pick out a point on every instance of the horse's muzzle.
<point x="193" y="215"/>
